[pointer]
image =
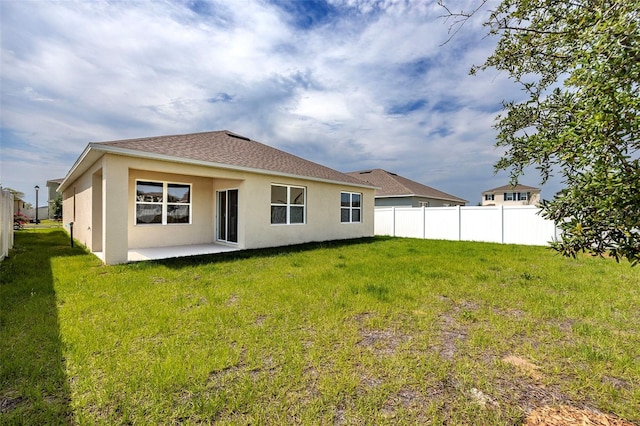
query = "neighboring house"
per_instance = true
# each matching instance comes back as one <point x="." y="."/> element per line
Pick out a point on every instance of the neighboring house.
<point x="52" y="193"/>
<point x="394" y="190"/>
<point x="18" y="205"/>
<point x="509" y="195"/>
<point x="207" y="188"/>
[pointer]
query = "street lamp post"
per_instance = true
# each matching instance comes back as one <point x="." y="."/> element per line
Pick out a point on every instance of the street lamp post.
<point x="37" y="188"/>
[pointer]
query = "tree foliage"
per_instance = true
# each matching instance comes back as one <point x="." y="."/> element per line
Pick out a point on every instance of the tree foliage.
<point x="579" y="64"/>
<point x="55" y="208"/>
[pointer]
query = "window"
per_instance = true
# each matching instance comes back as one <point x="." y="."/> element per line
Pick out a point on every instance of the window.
<point x="350" y="207"/>
<point x="287" y="204"/>
<point x="489" y="197"/>
<point x="162" y="203"/>
<point x="423" y="203"/>
<point x="516" y="196"/>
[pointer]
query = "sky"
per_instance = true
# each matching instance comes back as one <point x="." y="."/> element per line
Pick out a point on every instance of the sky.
<point x="350" y="84"/>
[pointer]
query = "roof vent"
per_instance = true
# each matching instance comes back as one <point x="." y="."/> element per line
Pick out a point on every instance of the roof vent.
<point x="233" y="135"/>
<point x="365" y="172"/>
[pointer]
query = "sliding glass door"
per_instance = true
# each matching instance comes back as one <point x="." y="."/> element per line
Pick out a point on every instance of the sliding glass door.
<point x="228" y="215"/>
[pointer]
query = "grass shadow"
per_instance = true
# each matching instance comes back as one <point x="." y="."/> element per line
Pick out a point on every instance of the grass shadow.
<point x="34" y="388"/>
<point x="189" y="261"/>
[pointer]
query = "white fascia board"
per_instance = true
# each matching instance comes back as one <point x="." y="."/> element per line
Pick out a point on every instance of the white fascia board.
<point x="171" y="158"/>
<point x="75" y="168"/>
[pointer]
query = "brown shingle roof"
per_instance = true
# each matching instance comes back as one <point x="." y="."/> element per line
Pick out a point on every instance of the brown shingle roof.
<point x="512" y="188"/>
<point x="390" y="184"/>
<point x="223" y="148"/>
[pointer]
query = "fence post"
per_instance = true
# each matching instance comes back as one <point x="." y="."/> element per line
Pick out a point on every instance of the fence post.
<point x="424" y="222"/>
<point x="501" y="224"/>
<point x="459" y="222"/>
<point x="6" y="222"/>
<point x="393" y="221"/>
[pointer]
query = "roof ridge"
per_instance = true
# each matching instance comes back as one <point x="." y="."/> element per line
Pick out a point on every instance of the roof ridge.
<point x="167" y="136"/>
<point x="393" y="184"/>
<point x="511" y="187"/>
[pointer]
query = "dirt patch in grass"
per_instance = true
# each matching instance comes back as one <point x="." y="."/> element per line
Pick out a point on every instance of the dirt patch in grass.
<point x="8" y="403"/>
<point x="383" y="342"/>
<point x="405" y="398"/>
<point x="546" y="405"/>
<point x="452" y="332"/>
<point x="451" y="337"/>
<point x="616" y="383"/>
<point x="522" y="364"/>
<point x="233" y="300"/>
<point x="563" y="415"/>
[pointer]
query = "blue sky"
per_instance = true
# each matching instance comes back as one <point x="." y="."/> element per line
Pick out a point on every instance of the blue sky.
<point x="351" y="84"/>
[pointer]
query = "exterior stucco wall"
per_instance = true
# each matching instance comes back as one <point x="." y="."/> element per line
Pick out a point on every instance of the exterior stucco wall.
<point x="322" y="213"/>
<point x="77" y="207"/>
<point x="254" y="208"/>
<point x="114" y="209"/>
<point x="101" y="203"/>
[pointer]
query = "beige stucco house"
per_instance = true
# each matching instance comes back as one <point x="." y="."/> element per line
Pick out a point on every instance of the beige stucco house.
<point x="215" y="188"/>
<point x="398" y="191"/>
<point x="509" y="195"/>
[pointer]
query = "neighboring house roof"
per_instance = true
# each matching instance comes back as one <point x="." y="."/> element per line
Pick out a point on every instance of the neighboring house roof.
<point x="512" y="188"/>
<point x="392" y="185"/>
<point x="58" y="181"/>
<point x="222" y="149"/>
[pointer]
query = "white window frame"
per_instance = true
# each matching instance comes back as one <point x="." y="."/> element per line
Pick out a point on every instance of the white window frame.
<point x="351" y="208"/>
<point x="489" y="197"/>
<point x="164" y="202"/>
<point x="510" y="196"/>
<point x="289" y="205"/>
<point x="523" y="196"/>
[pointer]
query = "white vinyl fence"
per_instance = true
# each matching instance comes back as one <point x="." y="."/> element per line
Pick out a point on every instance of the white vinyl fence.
<point x="6" y="222"/>
<point x="499" y="224"/>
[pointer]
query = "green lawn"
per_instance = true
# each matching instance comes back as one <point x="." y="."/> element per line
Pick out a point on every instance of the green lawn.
<point x="375" y="331"/>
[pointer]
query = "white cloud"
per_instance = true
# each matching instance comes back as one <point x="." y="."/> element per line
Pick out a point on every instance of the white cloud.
<point x="372" y="86"/>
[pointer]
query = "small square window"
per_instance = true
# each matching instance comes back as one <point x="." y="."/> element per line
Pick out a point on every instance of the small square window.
<point x="287" y="204"/>
<point x="350" y="207"/>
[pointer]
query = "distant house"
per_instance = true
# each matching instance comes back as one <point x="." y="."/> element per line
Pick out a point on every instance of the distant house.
<point x="216" y="190"/>
<point x="394" y="190"/>
<point x="52" y="193"/>
<point x="18" y="205"/>
<point x="509" y="195"/>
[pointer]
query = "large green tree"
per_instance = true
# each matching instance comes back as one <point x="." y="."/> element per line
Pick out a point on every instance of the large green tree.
<point x="578" y="62"/>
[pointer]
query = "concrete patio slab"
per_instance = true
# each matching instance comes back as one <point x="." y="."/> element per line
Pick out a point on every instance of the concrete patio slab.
<point x="156" y="253"/>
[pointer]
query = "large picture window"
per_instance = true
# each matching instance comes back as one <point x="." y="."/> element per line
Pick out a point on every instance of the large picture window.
<point x="287" y="204"/>
<point x="162" y="203"/>
<point x="350" y="207"/>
